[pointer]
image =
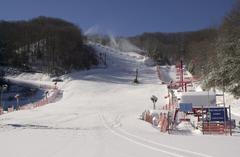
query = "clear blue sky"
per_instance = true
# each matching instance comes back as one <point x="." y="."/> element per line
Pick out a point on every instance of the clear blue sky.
<point x="123" y="17"/>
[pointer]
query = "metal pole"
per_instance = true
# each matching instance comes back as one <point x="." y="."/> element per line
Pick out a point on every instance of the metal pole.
<point x="230" y="117"/>
<point x="169" y="101"/>
<point x="46" y="95"/>
<point x="202" y="122"/>
<point x="181" y="75"/>
<point x="105" y="59"/>
<point x="1" y="96"/>
<point x="185" y="87"/>
<point x="208" y="112"/>
<point x="168" y="122"/>
<point x="17" y="104"/>
<point x="137" y="74"/>
<point x="224" y="111"/>
<point x="17" y="98"/>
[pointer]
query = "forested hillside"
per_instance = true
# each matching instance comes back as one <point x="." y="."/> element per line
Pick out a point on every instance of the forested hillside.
<point x="195" y="48"/>
<point x="44" y="44"/>
<point x="212" y="53"/>
<point x="56" y="46"/>
<point x="224" y="70"/>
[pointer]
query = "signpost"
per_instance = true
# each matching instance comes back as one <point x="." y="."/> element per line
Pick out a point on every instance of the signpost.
<point x="46" y="94"/>
<point x="17" y="96"/>
<point x="154" y="100"/>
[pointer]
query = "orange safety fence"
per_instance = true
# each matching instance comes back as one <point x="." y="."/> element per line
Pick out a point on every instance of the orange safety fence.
<point x="158" y="73"/>
<point x="162" y="120"/>
<point x="168" y="107"/>
<point x="148" y="117"/>
<point x="215" y="128"/>
<point x="42" y="102"/>
<point x="39" y="103"/>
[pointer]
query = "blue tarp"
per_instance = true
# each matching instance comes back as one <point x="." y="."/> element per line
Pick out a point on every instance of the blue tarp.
<point x="185" y="107"/>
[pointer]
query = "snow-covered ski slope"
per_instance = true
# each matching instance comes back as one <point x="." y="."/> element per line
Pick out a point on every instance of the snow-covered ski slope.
<point x="97" y="117"/>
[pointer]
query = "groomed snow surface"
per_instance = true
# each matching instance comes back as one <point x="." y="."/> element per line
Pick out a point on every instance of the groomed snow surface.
<point x="97" y="117"/>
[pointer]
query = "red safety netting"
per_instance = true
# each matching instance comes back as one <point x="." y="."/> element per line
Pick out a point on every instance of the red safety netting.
<point x="54" y="94"/>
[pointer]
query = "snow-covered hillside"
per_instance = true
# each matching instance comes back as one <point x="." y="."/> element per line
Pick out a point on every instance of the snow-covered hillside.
<point x="97" y="116"/>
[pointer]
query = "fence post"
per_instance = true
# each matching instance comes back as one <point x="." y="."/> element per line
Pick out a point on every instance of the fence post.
<point x="168" y="117"/>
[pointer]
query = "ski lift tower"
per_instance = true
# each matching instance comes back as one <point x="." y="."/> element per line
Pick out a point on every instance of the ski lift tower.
<point x="180" y="71"/>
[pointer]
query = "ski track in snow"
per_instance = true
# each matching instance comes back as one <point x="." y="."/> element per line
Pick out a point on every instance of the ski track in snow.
<point x="97" y="116"/>
<point x="138" y="143"/>
<point x="173" y="151"/>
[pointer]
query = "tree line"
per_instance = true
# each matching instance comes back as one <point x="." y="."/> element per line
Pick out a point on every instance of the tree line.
<point x="211" y="53"/>
<point x="167" y="48"/>
<point x="223" y="71"/>
<point x="44" y="44"/>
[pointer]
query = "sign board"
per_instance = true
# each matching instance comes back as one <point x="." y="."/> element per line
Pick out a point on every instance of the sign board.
<point x="154" y="99"/>
<point x="217" y="114"/>
<point x="185" y="107"/>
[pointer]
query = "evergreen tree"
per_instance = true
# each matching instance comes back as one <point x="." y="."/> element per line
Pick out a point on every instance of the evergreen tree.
<point x="225" y="71"/>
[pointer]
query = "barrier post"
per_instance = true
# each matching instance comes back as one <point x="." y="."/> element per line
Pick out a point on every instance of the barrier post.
<point x="168" y="118"/>
<point x="160" y="121"/>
